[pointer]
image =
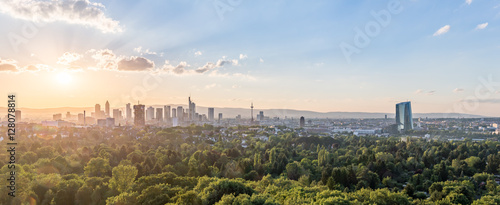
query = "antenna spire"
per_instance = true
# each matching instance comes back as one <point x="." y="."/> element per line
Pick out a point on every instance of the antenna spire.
<point x="251" y="107"/>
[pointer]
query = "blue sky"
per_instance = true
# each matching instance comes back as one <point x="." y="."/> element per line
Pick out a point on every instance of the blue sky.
<point x="277" y="54"/>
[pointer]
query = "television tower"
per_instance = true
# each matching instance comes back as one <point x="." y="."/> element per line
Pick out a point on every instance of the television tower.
<point x="251" y="108"/>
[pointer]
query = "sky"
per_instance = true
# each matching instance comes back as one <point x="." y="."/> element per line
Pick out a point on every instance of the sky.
<point x="322" y="55"/>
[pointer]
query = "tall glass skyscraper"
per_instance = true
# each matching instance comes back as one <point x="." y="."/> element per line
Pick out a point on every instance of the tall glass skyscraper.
<point x="211" y="114"/>
<point x="139" y="115"/>
<point x="404" y="118"/>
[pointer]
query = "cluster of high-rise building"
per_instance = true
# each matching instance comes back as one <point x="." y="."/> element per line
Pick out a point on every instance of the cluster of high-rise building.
<point x="139" y="115"/>
<point x="169" y="116"/>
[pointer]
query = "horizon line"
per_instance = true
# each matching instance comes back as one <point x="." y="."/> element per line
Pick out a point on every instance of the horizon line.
<point x="371" y="112"/>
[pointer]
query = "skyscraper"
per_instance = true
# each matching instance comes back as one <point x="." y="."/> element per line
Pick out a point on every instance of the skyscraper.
<point x="174" y="113"/>
<point x="107" y="109"/>
<point x="302" y="121"/>
<point x="180" y="114"/>
<point x="261" y="115"/>
<point x="220" y="117"/>
<point x="139" y="115"/>
<point x="404" y="116"/>
<point x="150" y="113"/>
<point x="97" y="112"/>
<point x="128" y="111"/>
<point x="159" y="114"/>
<point x="189" y="107"/>
<point x="166" y="110"/>
<point x="117" y="114"/>
<point x="211" y="114"/>
<point x="192" y="109"/>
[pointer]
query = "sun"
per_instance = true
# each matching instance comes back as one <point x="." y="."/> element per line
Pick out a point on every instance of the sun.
<point x="64" y="78"/>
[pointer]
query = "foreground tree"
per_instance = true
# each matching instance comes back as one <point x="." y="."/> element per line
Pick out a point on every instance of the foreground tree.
<point x="123" y="178"/>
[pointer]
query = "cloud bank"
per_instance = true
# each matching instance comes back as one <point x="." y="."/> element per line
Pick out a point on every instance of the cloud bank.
<point x="82" y="12"/>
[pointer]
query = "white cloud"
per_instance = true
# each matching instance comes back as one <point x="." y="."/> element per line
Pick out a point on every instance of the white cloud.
<point x="8" y="65"/>
<point x="457" y="90"/>
<point x="209" y="69"/>
<point x="179" y="69"/>
<point x="82" y="12"/>
<point x="37" y="67"/>
<point x="105" y="58"/>
<point x="261" y="60"/>
<point x="442" y="30"/>
<point x="198" y="53"/>
<point x="223" y="62"/>
<point x="135" y="63"/>
<point x="468" y="2"/>
<point x="482" y="26"/>
<point x="419" y="91"/>
<point x="67" y="58"/>
<point x="431" y="92"/>
<point x="209" y="66"/>
<point x="243" y="56"/>
<point x="144" y="51"/>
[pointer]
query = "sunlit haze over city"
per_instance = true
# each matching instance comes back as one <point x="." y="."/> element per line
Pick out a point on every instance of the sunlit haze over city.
<point x="262" y="102"/>
<point x="322" y="56"/>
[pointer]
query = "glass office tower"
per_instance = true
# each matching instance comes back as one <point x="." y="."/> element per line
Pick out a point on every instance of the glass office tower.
<point x="404" y="119"/>
<point x="139" y="115"/>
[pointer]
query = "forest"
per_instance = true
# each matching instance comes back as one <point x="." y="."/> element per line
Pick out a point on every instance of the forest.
<point x="245" y="165"/>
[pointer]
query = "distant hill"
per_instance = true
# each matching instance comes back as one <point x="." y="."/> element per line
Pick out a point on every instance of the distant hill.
<point x="46" y="113"/>
<point x="290" y="113"/>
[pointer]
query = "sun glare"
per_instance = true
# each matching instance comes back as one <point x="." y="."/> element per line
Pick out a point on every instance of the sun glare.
<point x="64" y="78"/>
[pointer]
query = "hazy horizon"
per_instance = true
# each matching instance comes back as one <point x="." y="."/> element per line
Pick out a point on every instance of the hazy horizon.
<point x="245" y="113"/>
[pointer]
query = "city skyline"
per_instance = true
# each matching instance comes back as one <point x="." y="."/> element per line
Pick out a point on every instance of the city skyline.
<point x="162" y="113"/>
<point x="438" y="61"/>
<point x="154" y="117"/>
<point x="250" y="102"/>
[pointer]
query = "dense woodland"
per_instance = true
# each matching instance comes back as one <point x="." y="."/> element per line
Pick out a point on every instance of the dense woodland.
<point x="213" y="165"/>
